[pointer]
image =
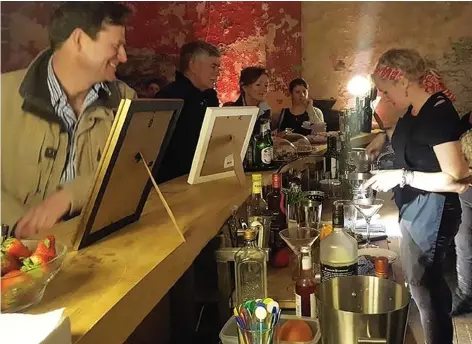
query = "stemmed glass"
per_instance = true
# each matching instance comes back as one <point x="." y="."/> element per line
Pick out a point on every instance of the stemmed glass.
<point x="368" y="208"/>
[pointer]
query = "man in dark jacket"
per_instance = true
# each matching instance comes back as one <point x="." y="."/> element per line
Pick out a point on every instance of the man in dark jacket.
<point x="194" y="83"/>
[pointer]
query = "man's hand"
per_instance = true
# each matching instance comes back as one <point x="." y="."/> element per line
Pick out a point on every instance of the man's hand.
<point x="375" y="147"/>
<point x="45" y="215"/>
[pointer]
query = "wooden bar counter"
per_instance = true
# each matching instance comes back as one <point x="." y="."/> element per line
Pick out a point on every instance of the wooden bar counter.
<point x="108" y="288"/>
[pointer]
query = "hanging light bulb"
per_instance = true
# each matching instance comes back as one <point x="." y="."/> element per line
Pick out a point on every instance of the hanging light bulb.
<point x="358" y="86"/>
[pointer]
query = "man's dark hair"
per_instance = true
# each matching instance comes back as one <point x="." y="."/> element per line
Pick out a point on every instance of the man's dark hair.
<point x="297" y="82"/>
<point x="192" y="49"/>
<point x="86" y="15"/>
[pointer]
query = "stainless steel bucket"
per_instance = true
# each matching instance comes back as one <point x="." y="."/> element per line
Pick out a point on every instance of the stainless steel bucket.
<point x="362" y="309"/>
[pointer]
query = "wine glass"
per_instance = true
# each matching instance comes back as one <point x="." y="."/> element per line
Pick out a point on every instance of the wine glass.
<point x="368" y="208"/>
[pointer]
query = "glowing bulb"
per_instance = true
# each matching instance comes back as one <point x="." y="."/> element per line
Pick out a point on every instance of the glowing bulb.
<point x="358" y="86"/>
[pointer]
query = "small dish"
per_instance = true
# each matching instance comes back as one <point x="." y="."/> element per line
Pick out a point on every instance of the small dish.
<point x="379" y="252"/>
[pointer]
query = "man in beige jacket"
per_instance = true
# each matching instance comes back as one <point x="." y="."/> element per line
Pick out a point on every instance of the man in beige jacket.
<point x="57" y="114"/>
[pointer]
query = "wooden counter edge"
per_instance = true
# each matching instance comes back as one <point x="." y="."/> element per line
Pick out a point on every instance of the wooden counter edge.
<point x="129" y="310"/>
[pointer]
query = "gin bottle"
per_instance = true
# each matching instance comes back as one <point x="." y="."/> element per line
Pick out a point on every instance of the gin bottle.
<point x="338" y="251"/>
<point x="251" y="270"/>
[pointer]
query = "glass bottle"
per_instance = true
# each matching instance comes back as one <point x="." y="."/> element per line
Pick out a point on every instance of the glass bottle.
<point x="264" y="146"/>
<point x="305" y="287"/>
<point x="331" y="158"/>
<point x="367" y="113"/>
<point x="251" y="270"/>
<point x="338" y="251"/>
<point x="275" y="206"/>
<point x="257" y="206"/>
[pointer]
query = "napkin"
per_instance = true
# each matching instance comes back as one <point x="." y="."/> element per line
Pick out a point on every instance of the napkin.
<point x="46" y="328"/>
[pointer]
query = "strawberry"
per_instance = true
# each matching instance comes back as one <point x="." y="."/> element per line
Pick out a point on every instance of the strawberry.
<point x="14" y="278"/>
<point x="46" y="248"/>
<point x="9" y="263"/>
<point x="16" y="248"/>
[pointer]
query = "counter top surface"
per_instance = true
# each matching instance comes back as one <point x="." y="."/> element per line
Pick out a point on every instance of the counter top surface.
<point x="108" y="288"/>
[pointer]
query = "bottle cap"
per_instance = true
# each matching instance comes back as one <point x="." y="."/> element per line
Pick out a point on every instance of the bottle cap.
<point x="381" y="266"/>
<point x="305" y="249"/>
<point x="249" y="234"/>
<point x="256" y="177"/>
<point x="276" y="181"/>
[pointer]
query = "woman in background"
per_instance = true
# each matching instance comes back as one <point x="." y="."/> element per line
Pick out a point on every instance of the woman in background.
<point x="253" y="87"/>
<point x="429" y="169"/>
<point x="301" y="114"/>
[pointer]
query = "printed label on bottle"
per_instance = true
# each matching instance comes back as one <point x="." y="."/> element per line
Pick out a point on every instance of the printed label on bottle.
<point x="313" y="312"/>
<point x="298" y="305"/>
<point x="328" y="271"/>
<point x="334" y="167"/>
<point x="266" y="155"/>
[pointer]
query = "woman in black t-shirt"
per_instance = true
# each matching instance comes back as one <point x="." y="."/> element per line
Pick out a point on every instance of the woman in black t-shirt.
<point x="301" y="111"/>
<point x="430" y="170"/>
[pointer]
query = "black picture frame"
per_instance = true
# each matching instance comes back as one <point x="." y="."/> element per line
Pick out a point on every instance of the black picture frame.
<point x="128" y="111"/>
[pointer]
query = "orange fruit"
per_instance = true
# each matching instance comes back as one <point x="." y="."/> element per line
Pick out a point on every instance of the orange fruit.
<point x="295" y="331"/>
<point x="326" y="230"/>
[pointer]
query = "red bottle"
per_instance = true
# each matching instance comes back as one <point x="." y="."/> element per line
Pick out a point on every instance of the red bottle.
<point x="305" y="287"/>
<point x="276" y="243"/>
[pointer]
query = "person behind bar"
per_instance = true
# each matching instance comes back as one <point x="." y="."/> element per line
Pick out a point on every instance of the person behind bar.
<point x="57" y="113"/>
<point x="429" y="167"/>
<point x="253" y="87"/>
<point x="302" y="110"/>
<point x="462" y="298"/>
<point x="194" y="83"/>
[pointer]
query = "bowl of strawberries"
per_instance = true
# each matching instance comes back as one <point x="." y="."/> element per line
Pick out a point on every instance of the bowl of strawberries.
<point x="27" y="268"/>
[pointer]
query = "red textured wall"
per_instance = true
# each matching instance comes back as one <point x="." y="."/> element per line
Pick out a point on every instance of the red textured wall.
<point x="248" y="33"/>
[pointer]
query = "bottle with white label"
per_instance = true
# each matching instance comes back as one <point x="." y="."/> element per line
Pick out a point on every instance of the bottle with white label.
<point x="256" y="206"/>
<point x="338" y="251"/>
<point x="331" y="158"/>
<point x="264" y="147"/>
<point x="305" y="287"/>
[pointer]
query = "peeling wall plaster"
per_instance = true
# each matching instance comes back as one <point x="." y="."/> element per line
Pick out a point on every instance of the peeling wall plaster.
<point x="341" y="39"/>
<point x="248" y="33"/>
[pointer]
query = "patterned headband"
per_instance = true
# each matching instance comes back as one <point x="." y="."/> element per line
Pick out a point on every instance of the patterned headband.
<point x="432" y="81"/>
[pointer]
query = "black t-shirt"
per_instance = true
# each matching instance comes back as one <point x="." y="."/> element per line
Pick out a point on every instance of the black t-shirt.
<point x="415" y="136"/>
<point x="294" y="122"/>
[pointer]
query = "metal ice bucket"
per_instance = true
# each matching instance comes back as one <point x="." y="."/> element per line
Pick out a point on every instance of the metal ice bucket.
<point x="362" y="309"/>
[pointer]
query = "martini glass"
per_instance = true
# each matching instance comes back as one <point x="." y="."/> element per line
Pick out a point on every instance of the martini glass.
<point x="296" y="238"/>
<point x="368" y="208"/>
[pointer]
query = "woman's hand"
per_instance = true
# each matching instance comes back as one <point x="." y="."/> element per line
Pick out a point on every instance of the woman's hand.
<point x="375" y="147"/>
<point x="308" y="102"/>
<point x="384" y="180"/>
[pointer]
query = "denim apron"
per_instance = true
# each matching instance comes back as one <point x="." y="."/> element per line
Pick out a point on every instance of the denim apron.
<point x="419" y="222"/>
<point x="419" y="218"/>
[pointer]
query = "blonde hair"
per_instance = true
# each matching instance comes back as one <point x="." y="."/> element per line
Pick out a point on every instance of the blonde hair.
<point x="409" y="61"/>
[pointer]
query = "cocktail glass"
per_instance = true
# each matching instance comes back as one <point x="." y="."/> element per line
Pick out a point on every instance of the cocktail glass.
<point x="368" y="208"/>
<point x="296" y="238"/>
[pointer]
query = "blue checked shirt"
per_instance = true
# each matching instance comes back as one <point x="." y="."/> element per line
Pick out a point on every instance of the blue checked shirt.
<point x="68" y="117"/>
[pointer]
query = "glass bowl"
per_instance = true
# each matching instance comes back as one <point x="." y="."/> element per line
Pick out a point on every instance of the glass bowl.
<point x="27" y="289"/>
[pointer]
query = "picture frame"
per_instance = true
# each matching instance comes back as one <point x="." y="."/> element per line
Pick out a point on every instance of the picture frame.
<point x="223" y="142"/>
<point x="141" y="130"/>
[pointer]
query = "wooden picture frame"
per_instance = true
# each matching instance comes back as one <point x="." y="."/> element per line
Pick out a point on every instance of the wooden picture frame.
<point x="224" y="139"/>
<point x="142" y="129"/>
